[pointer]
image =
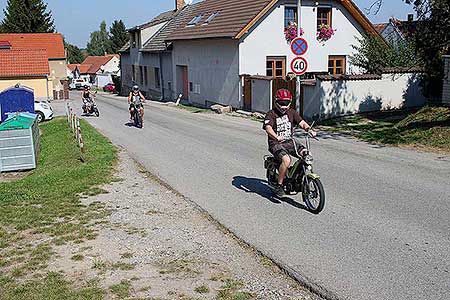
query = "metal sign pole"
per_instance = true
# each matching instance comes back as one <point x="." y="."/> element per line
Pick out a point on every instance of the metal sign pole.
<point x="299" y="19"/>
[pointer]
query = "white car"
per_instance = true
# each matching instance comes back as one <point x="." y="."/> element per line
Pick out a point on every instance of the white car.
<point x="44" y="110"/>
<point x="78" y="84"/>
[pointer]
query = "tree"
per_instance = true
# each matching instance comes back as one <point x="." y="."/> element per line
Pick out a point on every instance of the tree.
<point x="433" y="40"/>
<point x="100" y="42"/>
<point x="119" y="35"/>
<point x="27" y="16"/>
<point x="373" y="54"/>
<point x="74" y="54"/>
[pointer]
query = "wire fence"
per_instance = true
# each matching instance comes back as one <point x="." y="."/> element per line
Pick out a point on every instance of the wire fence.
<point x="74" y="123"/>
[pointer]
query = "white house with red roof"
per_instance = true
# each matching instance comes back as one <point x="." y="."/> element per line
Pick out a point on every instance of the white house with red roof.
<point x="213" y="46"/>
<point x="99" y="69"/>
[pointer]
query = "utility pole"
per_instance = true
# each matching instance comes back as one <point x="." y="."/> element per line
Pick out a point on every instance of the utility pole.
<point x="299" y="26"/>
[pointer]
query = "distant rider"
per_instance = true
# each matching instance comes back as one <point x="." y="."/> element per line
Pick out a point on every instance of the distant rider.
<point x="86" y="97"/>
<point x="279" y="124"/>
<point x="136" y="100"/>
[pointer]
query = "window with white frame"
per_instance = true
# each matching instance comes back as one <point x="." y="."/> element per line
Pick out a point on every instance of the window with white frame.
<point x="195" y="20"/>
<point x="290" y="16"/>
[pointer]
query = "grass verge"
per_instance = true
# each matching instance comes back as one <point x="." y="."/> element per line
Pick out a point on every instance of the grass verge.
<point x="428" y="127"/>
<point x="43" y="209"/>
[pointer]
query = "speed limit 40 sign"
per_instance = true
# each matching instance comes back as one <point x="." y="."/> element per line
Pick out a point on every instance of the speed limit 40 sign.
<point x="299" y="65"/>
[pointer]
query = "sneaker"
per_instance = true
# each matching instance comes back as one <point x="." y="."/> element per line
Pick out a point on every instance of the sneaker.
<point x="279" y="191"/>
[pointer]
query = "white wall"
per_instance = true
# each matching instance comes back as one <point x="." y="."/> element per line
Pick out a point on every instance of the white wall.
<point x="267" y="39"/>
<point x="147" y="33"/>
<point x="261" y="95"/>
<point x="112" y="66"/>
<point x="212" y="64"/>
<point x="342" y="97"/>
<point x="102" y="79"/>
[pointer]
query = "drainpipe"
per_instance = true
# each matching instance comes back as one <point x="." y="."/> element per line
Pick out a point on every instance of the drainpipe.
<point x="161" y="76"/>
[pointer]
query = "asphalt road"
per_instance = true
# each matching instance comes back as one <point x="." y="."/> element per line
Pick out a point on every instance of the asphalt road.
<point x="385" y="230"/>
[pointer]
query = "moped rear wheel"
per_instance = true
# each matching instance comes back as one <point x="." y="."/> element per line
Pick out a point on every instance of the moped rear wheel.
<point x="313" y="195"/>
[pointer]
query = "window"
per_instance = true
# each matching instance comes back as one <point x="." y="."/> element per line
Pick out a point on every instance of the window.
<point x="336" y="65"/>
<point x="323" y="16"/>
<point x="211" y="17"/>
<point x="191" y="87"/>
<point x="157" y="78"/>
<point x="141" y="75"/>
<point x="290" y="16"/>
<point x="197" y="88"/>
<point x="145" y="76"/>
<point x="276" y="67"/>
<point x="195" y="20"/>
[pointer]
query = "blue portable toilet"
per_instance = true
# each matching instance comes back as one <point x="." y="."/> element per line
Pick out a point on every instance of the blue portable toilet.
<point x="16" y="99"/>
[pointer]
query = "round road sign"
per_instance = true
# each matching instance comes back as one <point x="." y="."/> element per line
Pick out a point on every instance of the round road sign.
<point x="299" y="46"/>
<point x="299" y="65"/>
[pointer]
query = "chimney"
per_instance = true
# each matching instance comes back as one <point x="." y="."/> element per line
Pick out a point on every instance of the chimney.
<point x="410" y="17"/>
<point x="180" y="4"/>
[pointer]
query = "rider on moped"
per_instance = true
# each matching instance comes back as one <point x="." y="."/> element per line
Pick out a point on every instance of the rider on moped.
<point x="136" y="100"/>
<point x="279" y="124"/>
<point x="86" y="97"/>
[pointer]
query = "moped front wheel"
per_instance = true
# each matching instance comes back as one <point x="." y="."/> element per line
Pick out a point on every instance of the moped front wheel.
<point x="313" y="194"/>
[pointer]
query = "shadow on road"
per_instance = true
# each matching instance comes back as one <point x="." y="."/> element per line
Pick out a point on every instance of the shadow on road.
<point x="261" y="188"/>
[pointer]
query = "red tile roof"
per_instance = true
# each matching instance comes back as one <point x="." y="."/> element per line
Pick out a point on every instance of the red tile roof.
<point x="18" y="63"/>
<point x="72" y="67"/>
<point x="52" y="42"/>
<point x="233" y="16"/>
<point x="96" y="62"/>
<point x="83" y="68"/>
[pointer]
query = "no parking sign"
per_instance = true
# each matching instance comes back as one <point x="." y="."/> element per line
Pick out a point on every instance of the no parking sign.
<point x="299" y="65"/>
<point x="299" y="46"/>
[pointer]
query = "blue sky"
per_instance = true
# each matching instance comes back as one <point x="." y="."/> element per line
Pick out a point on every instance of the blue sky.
<point x="76" y="19"/>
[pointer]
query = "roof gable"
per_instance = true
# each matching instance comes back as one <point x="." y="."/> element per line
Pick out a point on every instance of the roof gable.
<point x="16" y="63"/>
<point x="237" y="17"/>
<point x="51" y="42"/>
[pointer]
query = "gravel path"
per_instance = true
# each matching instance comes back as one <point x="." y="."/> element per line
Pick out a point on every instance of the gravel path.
<point x="156" y="245"/>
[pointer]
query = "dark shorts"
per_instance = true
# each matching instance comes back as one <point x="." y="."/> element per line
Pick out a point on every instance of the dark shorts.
<point x="279" y="150"/>
<point x="137" y="106"/>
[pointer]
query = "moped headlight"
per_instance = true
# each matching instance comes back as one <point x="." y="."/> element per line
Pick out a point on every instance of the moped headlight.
<point x="309" y="160"/>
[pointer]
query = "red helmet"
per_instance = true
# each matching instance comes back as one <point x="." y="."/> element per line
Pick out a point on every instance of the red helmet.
<point x="283" y="99"/>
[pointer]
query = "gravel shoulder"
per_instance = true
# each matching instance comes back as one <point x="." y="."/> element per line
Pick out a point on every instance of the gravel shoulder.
<point x="156" y="245"/>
